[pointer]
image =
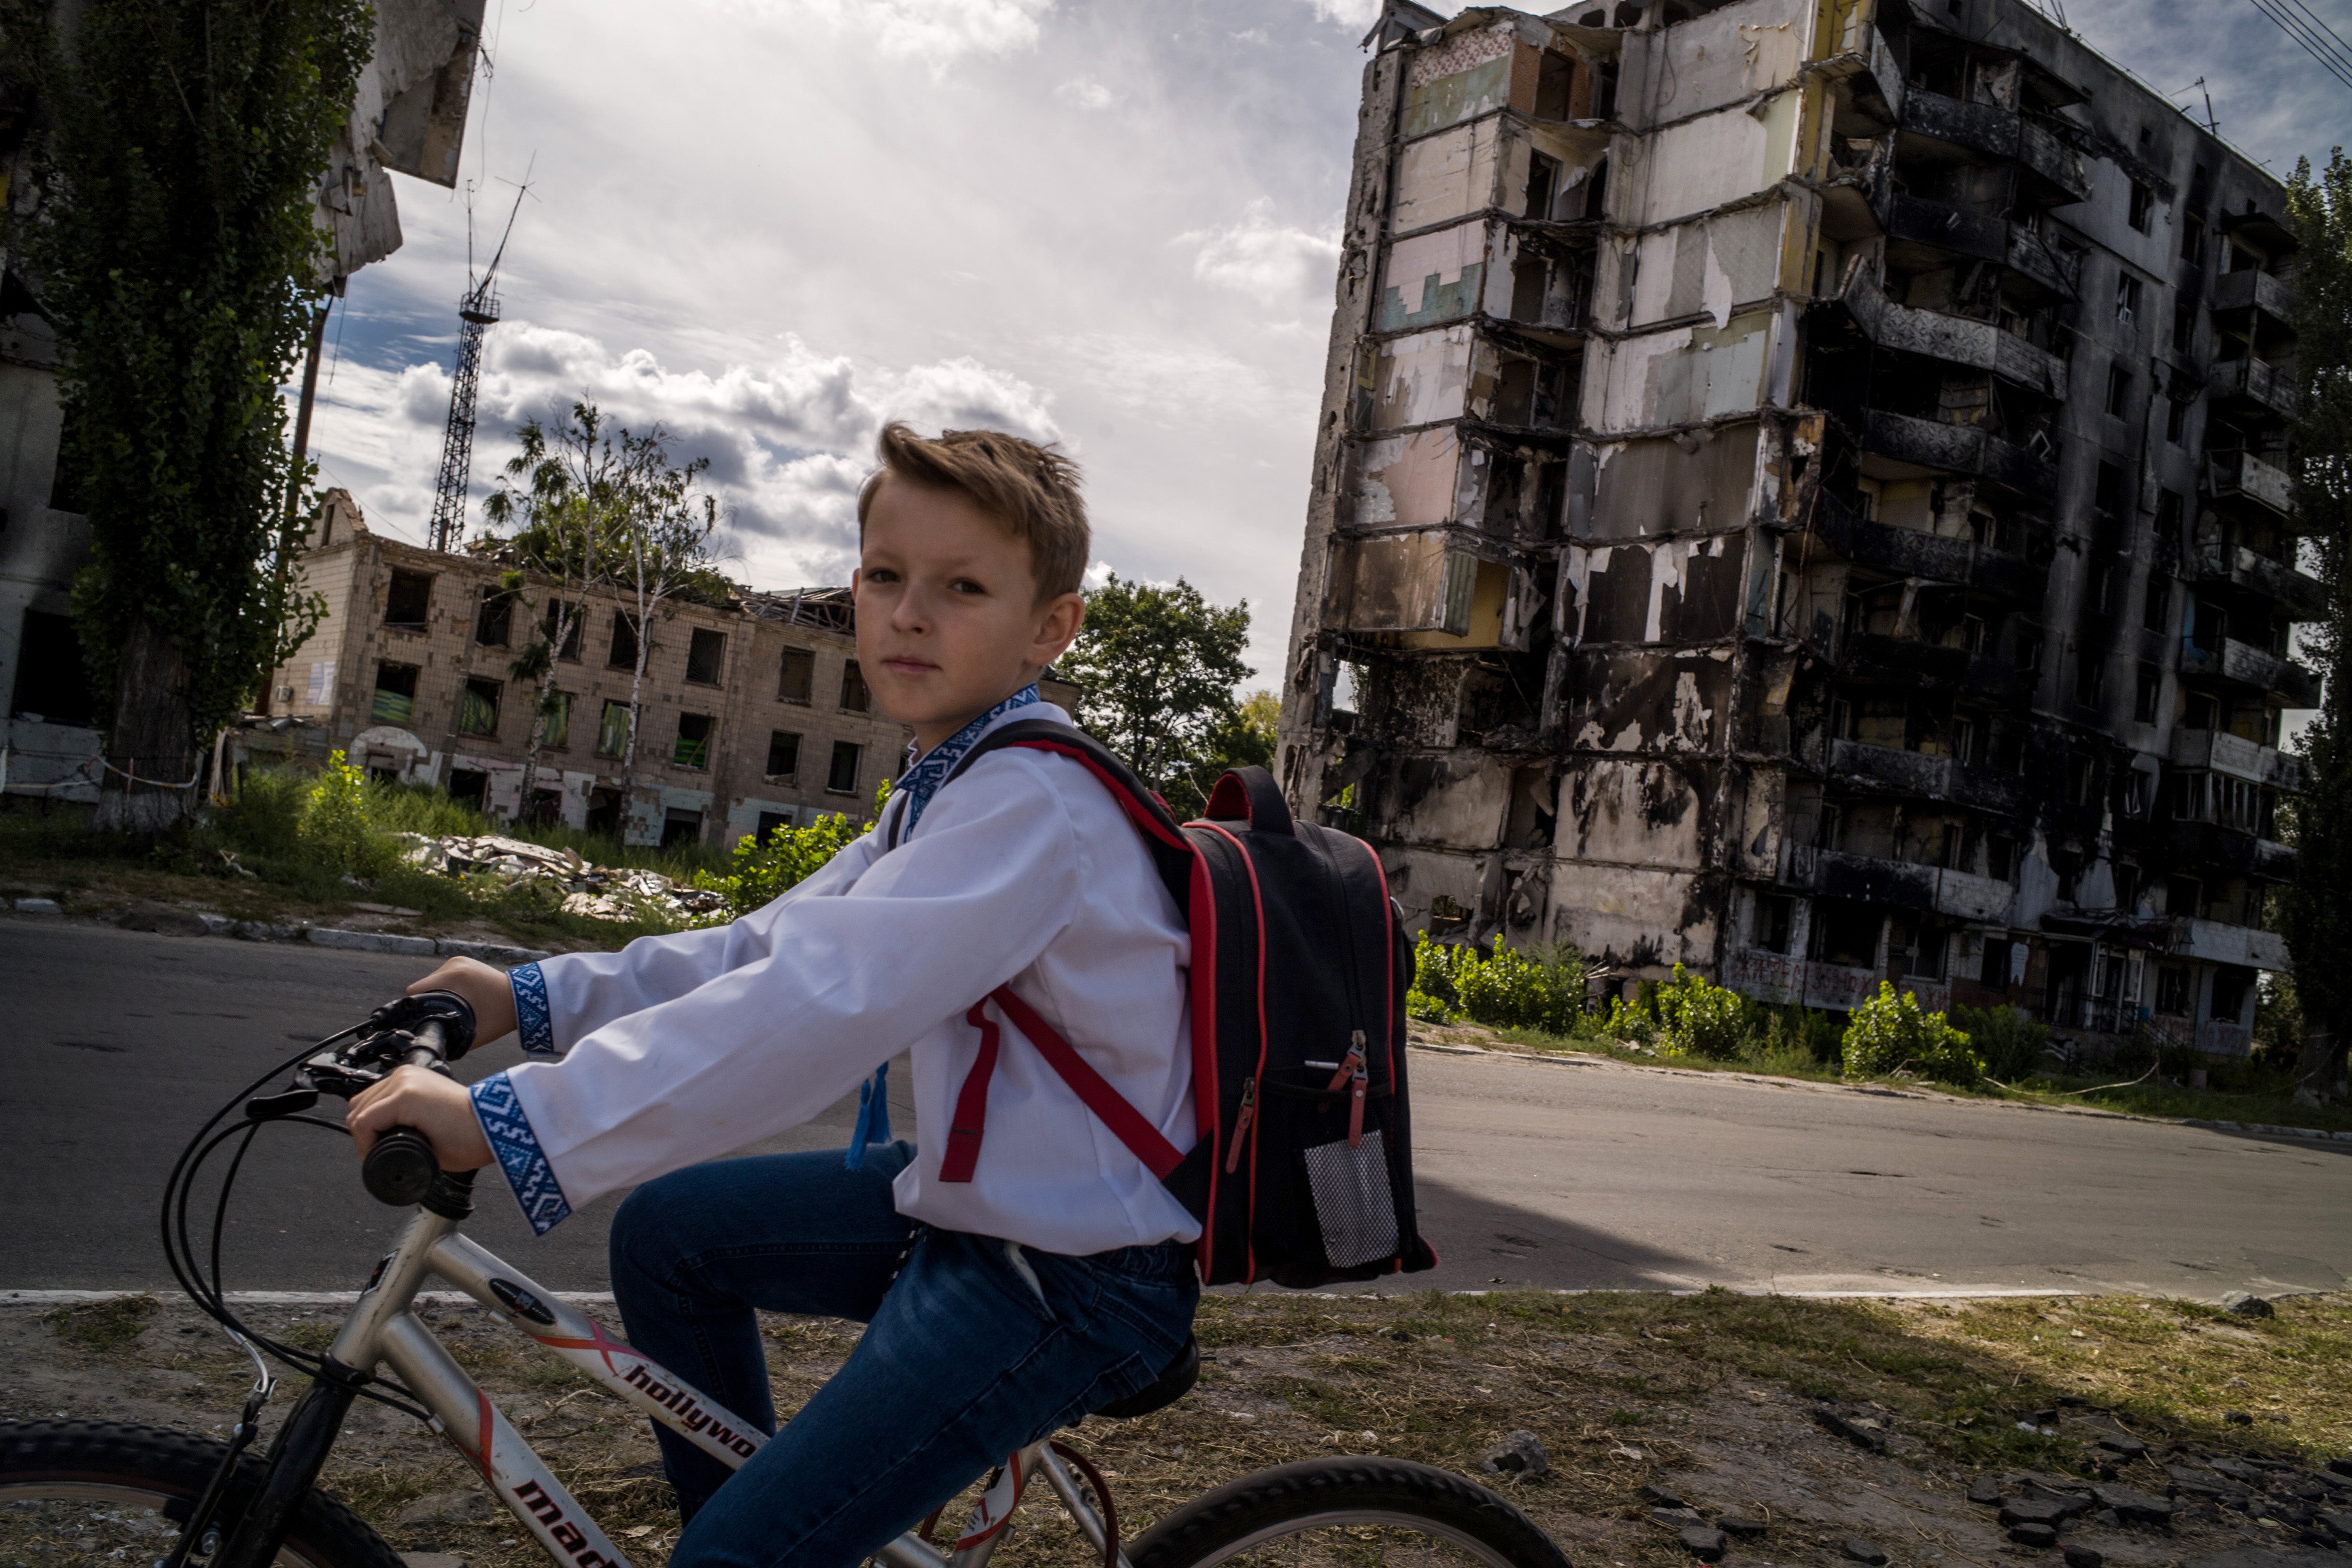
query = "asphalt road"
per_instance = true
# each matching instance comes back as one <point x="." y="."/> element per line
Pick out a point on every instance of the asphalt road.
<point x="118" y="1044"/>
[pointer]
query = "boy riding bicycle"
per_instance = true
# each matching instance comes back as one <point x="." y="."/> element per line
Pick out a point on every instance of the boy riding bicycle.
<point x="1046" y="1278"/>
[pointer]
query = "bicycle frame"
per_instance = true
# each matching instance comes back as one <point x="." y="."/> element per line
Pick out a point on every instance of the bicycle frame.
<point x="383" y="1329"/>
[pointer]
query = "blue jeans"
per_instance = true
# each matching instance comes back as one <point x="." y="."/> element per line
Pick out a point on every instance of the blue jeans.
<point x="962" y="1362"/>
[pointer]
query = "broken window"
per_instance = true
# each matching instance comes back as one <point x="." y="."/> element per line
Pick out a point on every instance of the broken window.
<point x="1774" y="916"/>
<point x="625" y="642"/>
<point x="556" y="735"/>
<point x="2231" y="984"/>
<point x="706" y="656"/>
<point x="1846" y="934"/>
<point x="613" y="730"/>
<point x="477" y="709"/>
<point x="2128" y="887"/>
<point x="396" y="694"/>
<point x="797" y="677"/>
<point x="842" y="777"/>
<point x="2000" y="857"/>
<point x="1555" y="84"/>
<point x="1543" y="180"/>
<point x="771" y="824"/>
<point x="494" y="618"/>
<point x="2175" y="421"/>
<point x="408" y="601"/>
<point x="2151" y="681"/>
<point x="2141" y="206"/>
<point x="2119" y="382"/>
<point x="2184" y="327"/>
<point x="2028" y="650"/>
<point x="1917" y="950"/>
<point x="2107" y="492"/>
<point x="2067" y="866"/>
<point x="681" y="827"/>
<point x="2152" y="607"/>
<point x="2081" y="775"/>
<point x="2176" y="990"/>
<point x="1994" y="975"/>
<point x="2193" y="240"/>
<point x="854" y="697"/>
<point x="557" y="612"/>
<point x="783" y="754"/>
<point x="52" y="681"/>
<point x="2126" y="300"/>
<point x="693" y="747"/>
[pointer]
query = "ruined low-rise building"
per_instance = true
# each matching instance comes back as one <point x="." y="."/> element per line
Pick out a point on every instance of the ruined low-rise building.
<point x="1800" y="492"/>
<point x="754" y="713"/>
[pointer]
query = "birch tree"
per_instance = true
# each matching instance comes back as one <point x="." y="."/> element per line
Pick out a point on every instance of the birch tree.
<point x="662" y="551"/>
<point x="564" y="494"/>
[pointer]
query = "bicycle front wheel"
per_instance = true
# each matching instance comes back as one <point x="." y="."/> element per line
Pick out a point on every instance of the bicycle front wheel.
<point x="1390" y="1513"/>
<point x="78" y="1494"/>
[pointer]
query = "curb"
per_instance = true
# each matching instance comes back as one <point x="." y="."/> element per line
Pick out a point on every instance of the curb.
<point x="2263" y="1127"/>
<point x="1580" y="1058"/>
<point x="316" y="936"/>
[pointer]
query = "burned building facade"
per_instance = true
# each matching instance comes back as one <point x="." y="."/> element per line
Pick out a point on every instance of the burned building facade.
<point x="1800" y="493"/>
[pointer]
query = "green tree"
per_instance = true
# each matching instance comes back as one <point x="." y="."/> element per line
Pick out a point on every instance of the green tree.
<point x="173" y="241"/>
<point x="1243" y="738"/>
<point x="2316" y="907"/>
<point x="1158" y="666"/>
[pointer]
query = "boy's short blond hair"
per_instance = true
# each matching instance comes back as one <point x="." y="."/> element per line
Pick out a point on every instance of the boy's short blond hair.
<point x="1031" y="489"/>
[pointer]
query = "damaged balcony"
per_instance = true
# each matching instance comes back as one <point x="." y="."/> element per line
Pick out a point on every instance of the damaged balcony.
<point x="1890" y="770"/>
<point x="1919" y="447"/>
<point x="2250" y="292"/>
<point x="1897" y="884"/>
<point x="2216" y="848"/>
<point x="2258" y="576"/>
<point x="1922" y="232"/>
<point x="2216" y="943"/>
<point x="2051" y="172"/>
<point x="1430" y="589"/>
<point x="2241" y="477"/>
<point x="2229" y="660"/>
<point x="2257" y="386"/>
<point x="2218" y="750"/>
<point x="1952" y="339"/>
<point x="1880" y="659"/>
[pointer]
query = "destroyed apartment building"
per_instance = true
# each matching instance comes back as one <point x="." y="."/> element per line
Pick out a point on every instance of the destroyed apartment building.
<point x="1800" y="493"/>
<point x="754" y="713"/>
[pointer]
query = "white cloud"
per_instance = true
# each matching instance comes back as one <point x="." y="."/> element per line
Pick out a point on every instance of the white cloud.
<point x="1349" y="12"/>
<point x="1259" y="256"/>
<point x="1082" y="92"/>
<point x="935" y="31"/>
<point x="789" y="439"/>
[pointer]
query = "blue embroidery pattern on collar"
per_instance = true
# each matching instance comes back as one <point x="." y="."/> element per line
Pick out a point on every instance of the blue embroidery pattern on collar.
<point x="532" y="1021"/>
<point x="536" y="1190"/>
<point x="922" y="780"/>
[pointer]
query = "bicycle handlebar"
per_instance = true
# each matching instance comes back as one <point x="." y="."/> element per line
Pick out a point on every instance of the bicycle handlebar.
<point x="401" y="1165"/>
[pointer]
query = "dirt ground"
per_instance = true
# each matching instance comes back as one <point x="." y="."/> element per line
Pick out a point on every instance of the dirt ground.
<point x="1823" y="1423"/>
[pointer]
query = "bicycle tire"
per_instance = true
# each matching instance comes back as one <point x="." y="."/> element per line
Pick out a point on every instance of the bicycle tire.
<point x="1288" y="1500"/>
<point x="116" y="1466"/>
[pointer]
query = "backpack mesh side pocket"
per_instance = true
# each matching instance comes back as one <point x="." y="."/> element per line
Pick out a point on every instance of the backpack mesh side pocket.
<point x="1355" y="1207"/>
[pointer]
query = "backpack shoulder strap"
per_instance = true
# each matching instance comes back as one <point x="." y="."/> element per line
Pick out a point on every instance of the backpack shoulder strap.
<point x="1172" y="853"/>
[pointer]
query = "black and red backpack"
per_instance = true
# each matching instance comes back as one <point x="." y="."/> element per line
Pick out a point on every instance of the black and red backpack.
<point x="1302" y="1174"/>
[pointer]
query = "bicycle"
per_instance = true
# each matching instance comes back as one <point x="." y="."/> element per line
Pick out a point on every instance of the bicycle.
<point x="125" y="1493"/>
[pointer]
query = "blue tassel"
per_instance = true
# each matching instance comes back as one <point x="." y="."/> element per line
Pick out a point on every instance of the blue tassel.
<point x="873" y="1118"/>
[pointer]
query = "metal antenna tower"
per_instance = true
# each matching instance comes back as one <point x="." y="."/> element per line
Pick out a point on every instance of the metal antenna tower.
<point x="476" y="312"/>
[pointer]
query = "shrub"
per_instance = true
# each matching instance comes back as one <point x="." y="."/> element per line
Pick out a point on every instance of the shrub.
<point x="336" y="829"/>
<point x="1889" y="1032"/>
<point x="1432" y="996"/>
<point x="264" y="818"/>
<point x="2010" y="1043"/>
<point x="1698" y="1018"/>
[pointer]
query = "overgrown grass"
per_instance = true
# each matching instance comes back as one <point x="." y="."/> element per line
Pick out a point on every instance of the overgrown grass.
<point x="102" y="1327"/>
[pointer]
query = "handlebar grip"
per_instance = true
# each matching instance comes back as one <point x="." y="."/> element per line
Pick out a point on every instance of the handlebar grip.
<point x="400" y="1167"/>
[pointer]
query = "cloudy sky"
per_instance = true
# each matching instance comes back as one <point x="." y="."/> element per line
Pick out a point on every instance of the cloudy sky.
<point x="770" y="225"/>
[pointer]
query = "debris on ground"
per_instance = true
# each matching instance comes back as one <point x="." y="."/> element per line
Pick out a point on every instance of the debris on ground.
<point x="596" y="893"/>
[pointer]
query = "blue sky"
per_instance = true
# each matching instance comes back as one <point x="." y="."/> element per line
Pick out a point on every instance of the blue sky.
<point x="770" y="225"/>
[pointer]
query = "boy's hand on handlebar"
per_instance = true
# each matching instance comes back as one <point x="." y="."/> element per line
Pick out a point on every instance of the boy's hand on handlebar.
<point x="485" y="990"/>
<point x="436" y="1106"/>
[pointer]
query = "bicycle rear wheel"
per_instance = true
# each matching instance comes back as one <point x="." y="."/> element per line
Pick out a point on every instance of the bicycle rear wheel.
<point x="1389" y="1512"/>
<point x="77" y="1494"/>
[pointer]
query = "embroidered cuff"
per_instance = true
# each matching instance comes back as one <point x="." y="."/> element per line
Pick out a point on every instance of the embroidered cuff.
<point x="531" y="1021"/>
<point x="527" y="1173"/>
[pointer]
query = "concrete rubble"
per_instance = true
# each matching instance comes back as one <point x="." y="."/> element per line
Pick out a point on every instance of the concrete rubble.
<point x="598" y="892"/>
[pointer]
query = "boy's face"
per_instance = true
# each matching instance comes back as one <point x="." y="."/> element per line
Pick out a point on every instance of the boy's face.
<point x="948" y="622"/>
